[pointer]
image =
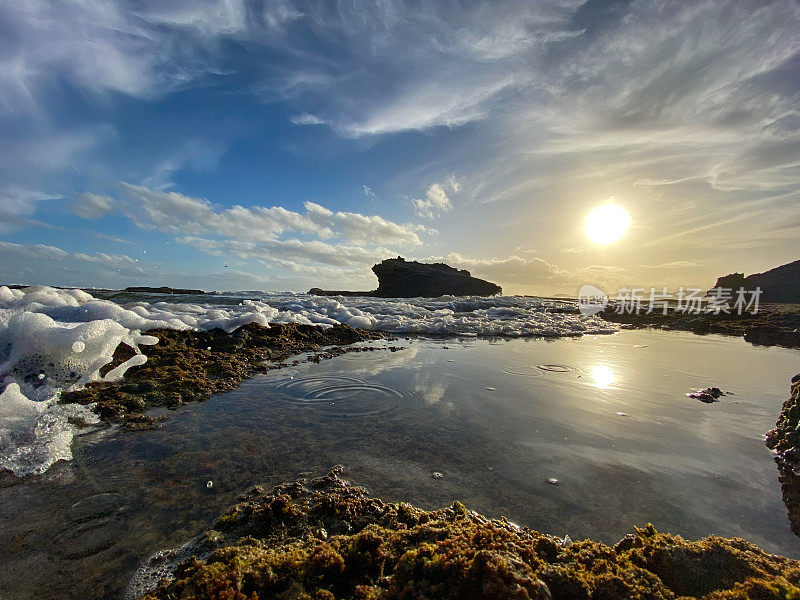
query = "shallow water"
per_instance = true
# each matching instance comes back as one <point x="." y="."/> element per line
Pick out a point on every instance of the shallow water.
<point x="606" y="416"/>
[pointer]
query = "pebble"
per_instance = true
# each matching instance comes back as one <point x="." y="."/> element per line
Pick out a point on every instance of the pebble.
<point x="490" y="389"/>
<point x="622" y="414"/>
<point x="552" y="481"/>
<point x="437" y="475"/>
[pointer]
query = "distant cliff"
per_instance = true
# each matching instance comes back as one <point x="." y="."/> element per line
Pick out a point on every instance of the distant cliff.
<point x="400" y="278"/>
<point x="780" y="285"/>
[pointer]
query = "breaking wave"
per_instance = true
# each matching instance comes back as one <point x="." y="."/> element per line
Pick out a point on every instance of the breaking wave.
<point x="53" y="340"/>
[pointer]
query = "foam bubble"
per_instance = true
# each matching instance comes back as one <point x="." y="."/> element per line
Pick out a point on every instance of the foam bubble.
<point x="53" y="339"/>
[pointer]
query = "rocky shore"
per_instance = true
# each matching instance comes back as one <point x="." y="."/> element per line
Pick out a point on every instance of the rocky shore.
<point x="772" y="325"/>
<point x="784" y="440"/>
<point x="325" y="538"/>
<point x="187" y="366"/>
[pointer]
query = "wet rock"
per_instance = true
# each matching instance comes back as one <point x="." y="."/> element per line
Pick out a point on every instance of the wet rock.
<point x="271" y="546"/>
<point x="773" y="325"/>
<point x="784" y="440"/>
<point x="188" y="366"/>
<point x="707" y="395"/>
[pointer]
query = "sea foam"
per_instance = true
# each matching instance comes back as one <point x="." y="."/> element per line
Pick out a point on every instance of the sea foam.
<point x="53" y="340"/>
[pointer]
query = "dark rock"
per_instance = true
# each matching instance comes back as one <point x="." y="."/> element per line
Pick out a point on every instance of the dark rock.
<point x="399" y="278"/>
<point x="707" y="395"/>
<point x="163" y="290"/>
<point x="779" y="285"/>
<point x="784" y="440"/>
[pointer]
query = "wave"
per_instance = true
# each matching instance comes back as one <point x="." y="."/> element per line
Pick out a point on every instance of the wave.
<point x="53" y="340"/>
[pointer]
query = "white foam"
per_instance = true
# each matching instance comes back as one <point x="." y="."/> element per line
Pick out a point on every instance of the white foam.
<point x="54" y="339"/>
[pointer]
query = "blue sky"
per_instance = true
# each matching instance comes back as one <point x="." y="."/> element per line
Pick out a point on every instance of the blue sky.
<point x="280" y="145"/>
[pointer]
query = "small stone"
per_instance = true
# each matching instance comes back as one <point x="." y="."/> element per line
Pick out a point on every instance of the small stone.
<point x="622" y="414"/>
<point x="552" y="481"/>
<point x="41" y="376"/>
<point x="437" y="475"/>
<point x="490" y="389"/>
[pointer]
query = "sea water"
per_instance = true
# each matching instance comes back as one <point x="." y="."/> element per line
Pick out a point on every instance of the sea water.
<point x="586" y="437"/>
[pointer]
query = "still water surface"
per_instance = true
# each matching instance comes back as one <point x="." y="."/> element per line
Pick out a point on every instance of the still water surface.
<point x="605" y="416"/>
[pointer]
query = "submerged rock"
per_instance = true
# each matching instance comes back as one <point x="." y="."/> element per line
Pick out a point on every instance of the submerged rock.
<point x="188" y="366"/>
<point x="400" y="278"/>
<point x="707" y="395"/>
<point x="325" y="538"/>
<point x="784" y="440"/>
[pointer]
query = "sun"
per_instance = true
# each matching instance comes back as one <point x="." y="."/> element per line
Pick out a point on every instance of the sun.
<point x="607" y="223"/>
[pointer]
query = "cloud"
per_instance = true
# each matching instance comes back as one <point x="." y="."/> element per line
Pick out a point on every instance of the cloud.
<point x="18" y="205"/>
<point x="92" y="206"/>
<point x="436" y="201"/>
<point x="173" y="212"/>
<point x="369" y="193"/>
<point x="290" y="251"/>
<point x="307" y="119"/>
<point x="511" y="269"/>
<point x="46" y="264"/>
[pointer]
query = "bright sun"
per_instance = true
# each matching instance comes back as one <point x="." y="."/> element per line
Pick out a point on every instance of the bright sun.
<point x="607" y="223"/>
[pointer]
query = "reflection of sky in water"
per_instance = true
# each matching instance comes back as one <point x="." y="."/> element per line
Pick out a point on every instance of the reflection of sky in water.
<point x="608" y="418"/>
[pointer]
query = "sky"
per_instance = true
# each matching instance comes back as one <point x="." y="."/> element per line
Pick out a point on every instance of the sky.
<point x="246" y="144"/>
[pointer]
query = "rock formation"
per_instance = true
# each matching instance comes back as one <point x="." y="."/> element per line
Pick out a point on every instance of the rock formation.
<point x="326" y="538"/>
<point x="399" y="278"/>
<point x="784" y="440"/>
<point x="781" y="284"/>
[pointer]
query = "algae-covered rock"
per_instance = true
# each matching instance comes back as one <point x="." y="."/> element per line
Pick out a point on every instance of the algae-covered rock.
<point x="785" y="441"/>
<point x="188" y="366"/>
<point x="327" y="539"/>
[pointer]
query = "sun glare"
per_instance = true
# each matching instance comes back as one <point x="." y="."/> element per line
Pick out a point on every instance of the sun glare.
<point x="602" y="376"/>
<point x="607" y="223"/>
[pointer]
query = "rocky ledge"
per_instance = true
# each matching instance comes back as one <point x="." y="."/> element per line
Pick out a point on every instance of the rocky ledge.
<point x="784" y="440"/>
<point x="400" y="278"/>
<point x="772" y="325"/>
<point x="325" y="538"/>
<point x="189" y="366"/>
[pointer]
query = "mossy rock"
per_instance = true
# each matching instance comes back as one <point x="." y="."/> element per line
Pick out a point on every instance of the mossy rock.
<point x="325" y="538"/>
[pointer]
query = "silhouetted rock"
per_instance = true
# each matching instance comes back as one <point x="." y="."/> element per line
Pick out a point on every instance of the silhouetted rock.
<point x="400" y="278"/>
<point x="163" y="290"/>
<point x="780" y="285"/>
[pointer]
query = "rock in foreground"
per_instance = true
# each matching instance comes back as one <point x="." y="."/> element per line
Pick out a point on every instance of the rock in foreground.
<point x="328" y="539"/>
<point x="400" y="278"/>
<point x="785" y="441"/>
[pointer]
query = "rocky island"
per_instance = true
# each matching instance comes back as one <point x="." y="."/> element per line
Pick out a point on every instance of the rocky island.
<point x="400" y="278"/>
